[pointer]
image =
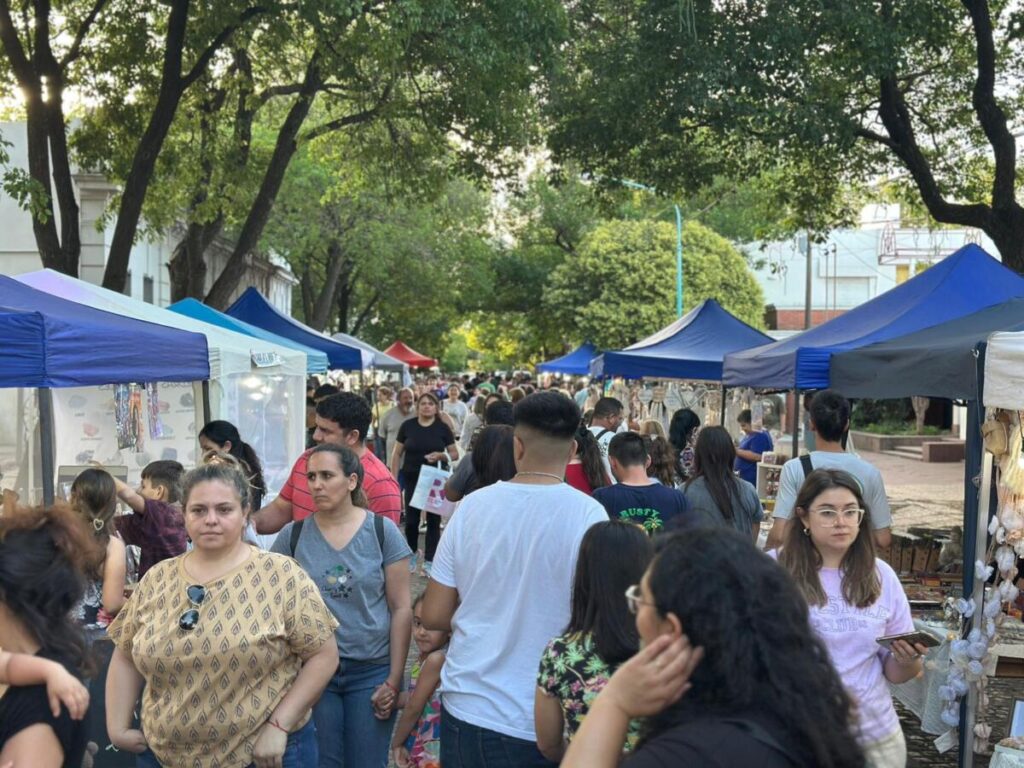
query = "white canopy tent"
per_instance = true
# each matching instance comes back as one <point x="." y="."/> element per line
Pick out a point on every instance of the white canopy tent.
<point x="255" y="384"/>
<point x="1004" y="371"/>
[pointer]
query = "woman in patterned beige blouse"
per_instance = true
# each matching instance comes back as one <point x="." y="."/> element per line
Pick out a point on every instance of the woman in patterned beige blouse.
<point x="233" y="644"/>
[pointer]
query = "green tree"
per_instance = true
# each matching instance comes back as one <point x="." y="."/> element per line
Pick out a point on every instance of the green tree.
<point x="620" y="286"/>
<point x="824" y="93"/>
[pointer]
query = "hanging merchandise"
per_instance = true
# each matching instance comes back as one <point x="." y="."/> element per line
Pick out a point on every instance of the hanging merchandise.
<point x="135" y="414"/>
<point x="123" y="416"/>
<point x="156" y="425"/>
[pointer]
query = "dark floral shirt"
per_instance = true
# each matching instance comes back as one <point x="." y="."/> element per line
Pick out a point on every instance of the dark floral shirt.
<point x="572" y="672"/>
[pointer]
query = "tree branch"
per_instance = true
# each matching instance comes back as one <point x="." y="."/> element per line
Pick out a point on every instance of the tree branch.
<point x="83" y="29"/>
<point x="990" y="114"/>
<point x="365" y="313"/>
<point x="353" y="119"/>
<point x="201" y="63"/>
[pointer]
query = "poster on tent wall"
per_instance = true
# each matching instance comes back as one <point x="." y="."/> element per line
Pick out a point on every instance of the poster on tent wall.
<point x="113" y="424"/>
<point x="269" y="411"/>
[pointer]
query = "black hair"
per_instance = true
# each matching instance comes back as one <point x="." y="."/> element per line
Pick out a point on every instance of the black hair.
<point x="493" y="455"/>
<point x="607" y="406"/>
<point x="348" y="410"/>
<point x="684" y="421"/>
<point x="628" y="449"/>
<point x="549" y="413"/>
<point x="760" y="653"/>
<point x="325" y="390"/>
<point x="745" y="417"/>
<point x="501" y="412"/>
<point x="588" y="451"/>
<point x="713" y="459"/>
<point x="613" y="557"/>
<point x="349" y="464"/>
<point x="166" y="473"/>
<point x="222" y="432"/>
<point x="44" y="553"/>
<point x="830" y="413"/>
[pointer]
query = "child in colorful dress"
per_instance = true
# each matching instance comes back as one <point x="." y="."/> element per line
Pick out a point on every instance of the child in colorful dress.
<point x="417" y="739"/>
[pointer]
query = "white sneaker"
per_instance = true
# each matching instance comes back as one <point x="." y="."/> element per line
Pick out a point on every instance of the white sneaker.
<point x="412" y="563"/>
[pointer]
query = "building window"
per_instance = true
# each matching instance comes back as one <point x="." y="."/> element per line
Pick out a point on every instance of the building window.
<point x="147" y="290"/>
<point x="127" y="290"/>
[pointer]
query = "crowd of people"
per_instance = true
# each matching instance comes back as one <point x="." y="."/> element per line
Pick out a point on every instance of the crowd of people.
<point x="597" y="597"/>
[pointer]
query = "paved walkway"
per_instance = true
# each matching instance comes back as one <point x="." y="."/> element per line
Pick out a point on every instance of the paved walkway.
<point x="921" y="495"/>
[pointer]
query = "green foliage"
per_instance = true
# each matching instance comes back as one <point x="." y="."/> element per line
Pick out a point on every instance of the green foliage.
<point x="620" y="286"/>
<point x="867" y="411"/>
<point x="456" y="354"/>
<point x="791" y="91"/>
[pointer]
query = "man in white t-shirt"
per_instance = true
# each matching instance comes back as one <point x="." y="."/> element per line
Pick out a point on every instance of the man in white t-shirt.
<point x="501" y="584"/>
<point x="830" y="419"/>
<point x="606" y="422"/>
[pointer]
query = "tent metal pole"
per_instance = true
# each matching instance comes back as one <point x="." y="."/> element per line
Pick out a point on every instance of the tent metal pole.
<point x="207" y="415"/>
<point x="797" y="417"/>
<point x="46" y="443"/>
<point x="721" y="421"/>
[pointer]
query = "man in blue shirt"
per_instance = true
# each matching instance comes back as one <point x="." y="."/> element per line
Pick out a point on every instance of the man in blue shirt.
<point x="750" y="449"/>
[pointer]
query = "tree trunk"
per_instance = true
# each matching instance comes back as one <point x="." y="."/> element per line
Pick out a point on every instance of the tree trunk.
<point x="259" y="212"/>
<point x="920" y="405"/>
<point x="188" y="265"/>
<point x="337" y="266"/>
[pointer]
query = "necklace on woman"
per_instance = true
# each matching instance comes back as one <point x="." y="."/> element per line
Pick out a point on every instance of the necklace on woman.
<point x="538" y="474"/>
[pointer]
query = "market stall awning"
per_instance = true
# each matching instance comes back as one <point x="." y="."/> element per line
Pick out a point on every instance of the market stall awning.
<point x="252" y="308"/>
<point x="316" y="361"/>
<point x="940" y="361"/>
<point x="576" y="363"/>
<point x="1004" y="371"/>
<point x="692" y="347"/>
<point x="230" y="353"/>
<point x="51" y="342"/>
<point x="959" y="285"/>
<point x="381" y="361"/>
<point x="410" y="356"/>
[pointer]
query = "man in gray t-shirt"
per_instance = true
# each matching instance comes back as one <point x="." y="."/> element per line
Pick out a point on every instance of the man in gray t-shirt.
<point x="830" y="419"/>
<point x="351" y="581"/>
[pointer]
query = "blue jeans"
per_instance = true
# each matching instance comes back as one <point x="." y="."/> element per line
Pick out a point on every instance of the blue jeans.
<point x="469" y="746"/>
<point x="300" y="752"/>
<point x="348" y="733"/>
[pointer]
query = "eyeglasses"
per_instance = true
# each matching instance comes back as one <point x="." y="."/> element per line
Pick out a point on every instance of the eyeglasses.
<point x="830" y="517"/>
<point x="634" y="600"/>
<point x="196" y="594"/>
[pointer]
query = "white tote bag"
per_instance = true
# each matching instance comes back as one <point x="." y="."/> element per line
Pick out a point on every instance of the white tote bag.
<point x="429" y="493"/>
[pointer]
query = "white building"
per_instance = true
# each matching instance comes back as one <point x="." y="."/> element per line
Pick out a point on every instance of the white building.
<point x="850" y="267"/>
<point x="148" y="277"/>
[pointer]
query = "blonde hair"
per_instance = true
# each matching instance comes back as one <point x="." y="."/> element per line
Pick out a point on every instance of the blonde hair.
<point x="653" y="427"/>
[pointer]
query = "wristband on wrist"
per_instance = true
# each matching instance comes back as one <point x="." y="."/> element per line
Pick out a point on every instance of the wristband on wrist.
<point x="274" y="723"/>
<point x="389" y="685"/>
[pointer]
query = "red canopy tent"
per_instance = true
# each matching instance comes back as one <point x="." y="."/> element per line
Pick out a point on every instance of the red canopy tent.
<point x="410" y="356"/>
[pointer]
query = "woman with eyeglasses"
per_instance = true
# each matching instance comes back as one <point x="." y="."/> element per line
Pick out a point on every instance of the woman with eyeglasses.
<point x="854" y="599"/>
<point x="729" y="673"/>
<point x="234" y="645"/>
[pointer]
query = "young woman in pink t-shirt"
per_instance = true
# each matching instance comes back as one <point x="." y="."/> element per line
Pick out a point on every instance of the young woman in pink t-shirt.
<point x="854" y="599"/>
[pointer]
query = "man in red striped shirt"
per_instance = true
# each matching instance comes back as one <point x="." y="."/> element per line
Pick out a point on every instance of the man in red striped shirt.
<point x="342" y="419"/>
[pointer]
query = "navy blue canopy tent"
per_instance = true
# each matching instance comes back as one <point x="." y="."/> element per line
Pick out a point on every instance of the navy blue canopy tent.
<point x="576" y="363"/>
<point x="941" y="361"/>
<point x="963" y="283"/>
<point x="252" y="308"/>
<point x="692" y="347"/>
<point x="52" y="342"/>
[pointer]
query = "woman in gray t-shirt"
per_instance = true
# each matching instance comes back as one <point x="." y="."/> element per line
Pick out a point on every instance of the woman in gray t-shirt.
<point x="360" y="562"/>
<point x="715" y="488"/>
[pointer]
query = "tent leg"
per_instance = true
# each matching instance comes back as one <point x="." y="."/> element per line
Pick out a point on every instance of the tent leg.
<point x="207" y="416"/>
<point x="721" y="418"/>
<point x="46" y="443"/>
<point x="797" y="418"/>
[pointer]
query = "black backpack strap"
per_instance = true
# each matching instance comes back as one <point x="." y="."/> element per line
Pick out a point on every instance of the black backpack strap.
<point x="805" y="462"/>
<point x="293" y="542"/>
<point x="602" y="433"/>
<point x="378" y="528"/>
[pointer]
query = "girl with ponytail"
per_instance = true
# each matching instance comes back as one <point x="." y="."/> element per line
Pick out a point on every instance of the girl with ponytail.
<point x="224" y="436"/>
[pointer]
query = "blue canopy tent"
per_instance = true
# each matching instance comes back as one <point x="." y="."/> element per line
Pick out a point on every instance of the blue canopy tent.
<point x="576" y="363"/>
<point x="51" y="342"/>
<point x="252" y="308"/>
<point x="316" y="361"/>
<point x="961" y="284"/>
<point x="381" y="360"/>
<point x="692" y="347"/>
